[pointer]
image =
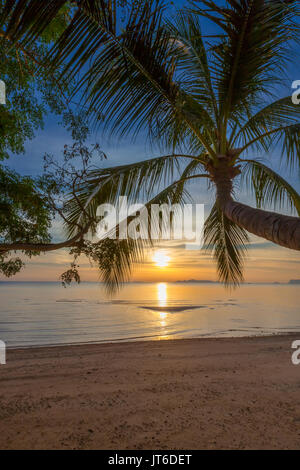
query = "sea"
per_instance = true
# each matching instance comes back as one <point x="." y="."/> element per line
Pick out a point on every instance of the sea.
<point x="46" y="314"/>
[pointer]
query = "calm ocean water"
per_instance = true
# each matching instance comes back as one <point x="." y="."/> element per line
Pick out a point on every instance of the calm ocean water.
<point x="46" y="313"/>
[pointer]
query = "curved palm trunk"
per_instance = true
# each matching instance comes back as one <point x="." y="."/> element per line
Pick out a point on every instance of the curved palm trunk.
<point x="277" y="228"/>
<point x="280" y="229"/>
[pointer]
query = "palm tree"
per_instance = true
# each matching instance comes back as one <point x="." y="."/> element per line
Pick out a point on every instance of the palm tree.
<point x="210" y="101"/>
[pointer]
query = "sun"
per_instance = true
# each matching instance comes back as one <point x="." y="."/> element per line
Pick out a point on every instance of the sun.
<point x="161" y="259"/>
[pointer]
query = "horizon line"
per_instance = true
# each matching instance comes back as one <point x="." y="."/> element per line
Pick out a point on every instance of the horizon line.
<point x="184" y="281"/>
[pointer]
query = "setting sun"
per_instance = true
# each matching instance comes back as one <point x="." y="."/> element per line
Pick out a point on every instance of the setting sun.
<point x="161" y="259"/>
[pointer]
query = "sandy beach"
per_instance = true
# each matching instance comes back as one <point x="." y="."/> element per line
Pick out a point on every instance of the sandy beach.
<point x="241" y="393"/>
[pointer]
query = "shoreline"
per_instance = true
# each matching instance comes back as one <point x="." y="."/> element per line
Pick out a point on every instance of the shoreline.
<point x="203" y="393"/>
<point x="158" y="339"/>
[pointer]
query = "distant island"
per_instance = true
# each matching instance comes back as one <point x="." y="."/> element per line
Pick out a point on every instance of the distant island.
<point x="206" y="281"/>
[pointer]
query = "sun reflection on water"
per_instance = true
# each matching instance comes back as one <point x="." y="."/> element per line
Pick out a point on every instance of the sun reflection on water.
<point x="162" y="299"/>
<point x="162" y="294"/>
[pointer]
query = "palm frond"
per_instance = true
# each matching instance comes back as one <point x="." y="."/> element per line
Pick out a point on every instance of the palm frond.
<point x="191" y="169"/>
<point x="136" y="181"/>
<point x="227" y="241"/>
<point x="115" y="258"/>
<point x="130" y="76"/>
<point x="288" y="137"/>
<point x="269" y="187"/>
<point x="254" y="51"/>
<point x="132" y="81"/>
<point x="193" y="62"/>
<point x="25" y="21"/>
<point x="277" y="115"/>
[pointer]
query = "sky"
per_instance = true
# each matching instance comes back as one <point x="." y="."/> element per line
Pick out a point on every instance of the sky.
<point x="266" y="262"/>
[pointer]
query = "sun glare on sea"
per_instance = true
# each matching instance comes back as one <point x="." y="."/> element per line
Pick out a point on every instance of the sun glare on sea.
<point x="162" y="298"/>
<point x="161" y="259"/>
<point x="162" y="294"/>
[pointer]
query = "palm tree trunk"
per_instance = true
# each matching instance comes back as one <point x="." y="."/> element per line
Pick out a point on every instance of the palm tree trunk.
<point x="277" y="228"/>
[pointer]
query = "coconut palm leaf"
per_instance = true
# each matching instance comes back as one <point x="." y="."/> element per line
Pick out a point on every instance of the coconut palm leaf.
<point x="25" y="21"/>
<point x="131" y="72"/>
<point x="278" y="114"/>
<point x="269" y="187"/>
<point x="190" y="170"/>
<point x="277" y="123"/>
<point x="115" y="258"/>
<point x="249" y="56"/>
<point x="106" y="185"/>
<point x="252" y="54"/>
<point x="132" y="80"/>
<point x="289" y="138"/>
<point x="136" y="181"/>
<point x="193" y="63"/>
<point x="291" y="144"/>
<point x="228" y="243"/>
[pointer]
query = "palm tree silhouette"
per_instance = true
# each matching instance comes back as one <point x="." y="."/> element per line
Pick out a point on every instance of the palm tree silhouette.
<point x="209" y="100"/>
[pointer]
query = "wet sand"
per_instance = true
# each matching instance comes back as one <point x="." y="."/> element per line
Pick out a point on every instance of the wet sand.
<point x="241" y="393"/>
